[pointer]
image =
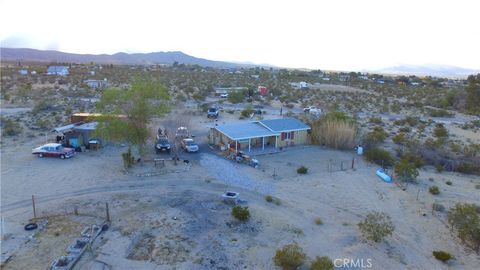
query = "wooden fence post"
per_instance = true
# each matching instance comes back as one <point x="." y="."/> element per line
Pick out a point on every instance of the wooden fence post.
<point x="107" y="211"/>
<point x="34" y="210"/>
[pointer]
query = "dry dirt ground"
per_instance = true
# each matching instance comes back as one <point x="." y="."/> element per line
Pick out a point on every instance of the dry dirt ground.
<point x="175" y="218"/>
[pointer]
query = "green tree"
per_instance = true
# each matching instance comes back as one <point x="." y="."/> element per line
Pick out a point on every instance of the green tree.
<point x="138" y="104"/>
<point x="465" y="220"/>
<point x="473" y="94"/>
<point x="236" y="96"/>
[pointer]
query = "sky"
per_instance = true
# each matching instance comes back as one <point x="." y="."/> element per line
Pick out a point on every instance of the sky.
<point x="315" y="34"/>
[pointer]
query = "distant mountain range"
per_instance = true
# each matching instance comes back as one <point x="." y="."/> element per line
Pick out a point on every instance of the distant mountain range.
<point x="22" y="54"/>
<point x="428" y="70"/>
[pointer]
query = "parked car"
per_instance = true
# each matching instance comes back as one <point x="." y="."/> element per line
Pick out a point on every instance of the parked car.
<point x="224" y="95"/>
<point x="213" y="112"/>
<point x="189" y="145"/>
<point x="162" y="145"/>
<point x="313" y="110"/>
<point x="182" y="132"/>
<point x="53" y="150"/>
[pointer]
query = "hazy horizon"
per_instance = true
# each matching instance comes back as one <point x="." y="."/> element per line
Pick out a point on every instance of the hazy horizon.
<point x="333" y="35"/>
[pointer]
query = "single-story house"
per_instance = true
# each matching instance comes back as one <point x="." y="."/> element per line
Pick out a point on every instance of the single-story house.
<point x="23" y="72"/>
<point x="57" y="70"/>
<point x="260" y="134"/>
<point x="97" y="84"/>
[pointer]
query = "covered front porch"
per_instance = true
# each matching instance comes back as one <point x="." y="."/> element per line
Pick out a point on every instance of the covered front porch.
<point x="255" y="144"/>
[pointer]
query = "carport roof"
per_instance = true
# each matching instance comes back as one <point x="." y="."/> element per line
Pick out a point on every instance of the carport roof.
<point x="241" y="131"/>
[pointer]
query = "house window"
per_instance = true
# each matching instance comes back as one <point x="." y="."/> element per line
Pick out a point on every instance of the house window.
<point x="287" y="135"/>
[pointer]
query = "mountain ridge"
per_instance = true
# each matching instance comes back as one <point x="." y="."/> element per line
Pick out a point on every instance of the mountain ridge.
<point x="27" y="54"/>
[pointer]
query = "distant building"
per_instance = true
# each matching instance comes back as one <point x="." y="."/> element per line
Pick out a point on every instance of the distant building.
<point x="57" y="70"/>
<point x="262" y="90"/>
<point x="23" y="72"/>
<point x="97" y="84"/>
<point x="300" y="85"/>
<point x="226" y="90"/>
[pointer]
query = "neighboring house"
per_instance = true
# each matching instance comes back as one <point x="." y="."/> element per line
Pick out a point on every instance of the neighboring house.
<point x="274" y="133"/>
<point x="57" y="70"/>
<point x="227" y="90"/>
<point x="97" y="84"/>
<point x="23" y="72"/>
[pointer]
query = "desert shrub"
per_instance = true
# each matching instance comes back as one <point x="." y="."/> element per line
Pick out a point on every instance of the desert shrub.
<point x="289" y="257"/>
<point x="440" y="131"/>
<point x="43" y="123"/>
<point x="376" y="120"/>
<point x="412" y="121"/>
<point x="128" y="159"/>
<point x="438" y="207"/>
<point x="379" y="156"/>
<point x="376" y="136"/>
<point x="335" y="130"/>
<point x="477" y="186"/>
<point x="405" y="129"/>
<point x="413" y="158"/>
<point x="10" y="127"/>
<point x="302" y="170"/>
<point x="247" y="111"/>
<point x="465" y="220"/>
<point x="241" y="213"/>
<point x="448" y="183"/>
<point x="468" y="168"/>
<point x="269" y="198"/>
<point x="376" y="226"/>
<point x="434" y="190"/>
<point x="318" y="221"/>
<point x="406" y="170"/>
<point x="442" y="255"/>
<point x="439" y="168"/>
<point x="198" y="96"/>
<point x="399" y="138"/>
<point x="440" y="113"/>
<point x="181" y="97"/>
<point x="322" y="263"/>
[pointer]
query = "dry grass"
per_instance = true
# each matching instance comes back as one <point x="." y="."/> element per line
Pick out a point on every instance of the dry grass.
<point x="335" y="133"/>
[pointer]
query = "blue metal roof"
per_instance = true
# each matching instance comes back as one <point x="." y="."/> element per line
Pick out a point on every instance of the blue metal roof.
<point x="284" y="124"/>
<point x="242" y="131"/>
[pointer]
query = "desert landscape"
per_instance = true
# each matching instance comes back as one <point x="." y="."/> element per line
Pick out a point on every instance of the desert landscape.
<point x="172" y="215"/>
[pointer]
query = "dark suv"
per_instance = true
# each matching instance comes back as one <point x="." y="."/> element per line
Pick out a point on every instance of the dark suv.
<point x="162" y="145"/>
<point x="212" y="112"/>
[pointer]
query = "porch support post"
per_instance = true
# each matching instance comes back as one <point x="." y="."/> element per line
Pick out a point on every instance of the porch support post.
<point x="249" y="144"/>
<point x="236" y="146"/>
<point x="263" y="143"/>
<point x="276" y="137"/>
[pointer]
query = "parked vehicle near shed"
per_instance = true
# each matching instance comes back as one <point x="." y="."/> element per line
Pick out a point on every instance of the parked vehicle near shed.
<point x="182" y="132"/>
<point x="53" y="150"/>
<point x="162" y="145"/>
<point x="189" y="145"/>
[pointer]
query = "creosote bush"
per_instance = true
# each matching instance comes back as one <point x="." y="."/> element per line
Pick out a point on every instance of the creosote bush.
<point x="434" y="190"/>
<point x="241" y="213"/>
<point x="289" y="257"/>
<point x="379" y="156"/>
<point x="442" y="255"/>
<point x="322" y="263"/>
<point x="302" y="170"/>
<point x="128" y="159"/>
<point x="376" y="226"/>
<point x="269" y="198"/>
<point x="318" y="221"/>
<point x="465" y="221"/>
